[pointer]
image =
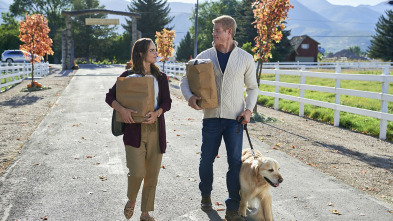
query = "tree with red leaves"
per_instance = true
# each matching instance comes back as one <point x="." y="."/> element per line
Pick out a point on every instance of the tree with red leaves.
<point x="34" y="32"/>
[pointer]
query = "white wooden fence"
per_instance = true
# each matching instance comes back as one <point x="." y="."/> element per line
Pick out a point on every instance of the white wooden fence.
<point x="177" y="70"/>
<point x="16" y="72"/>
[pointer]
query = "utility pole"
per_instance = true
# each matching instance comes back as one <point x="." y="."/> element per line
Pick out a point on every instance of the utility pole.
<point x="196" y="31"/>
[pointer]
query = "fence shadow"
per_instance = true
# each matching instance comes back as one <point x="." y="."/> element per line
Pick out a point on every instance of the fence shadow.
<point x="383" y="161"/>
<point x="21" y="101"/>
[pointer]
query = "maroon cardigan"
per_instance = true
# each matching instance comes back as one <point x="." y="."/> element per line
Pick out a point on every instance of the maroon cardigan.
<point x="132" y="132"/>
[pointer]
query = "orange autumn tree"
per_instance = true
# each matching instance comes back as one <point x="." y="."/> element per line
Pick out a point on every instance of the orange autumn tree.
<point x="34" y="34"/>
<point x="165" y="47"/>
<point x="269" y="17"/>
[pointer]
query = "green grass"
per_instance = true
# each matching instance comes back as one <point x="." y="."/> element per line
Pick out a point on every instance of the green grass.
<point x="359" y="123"/>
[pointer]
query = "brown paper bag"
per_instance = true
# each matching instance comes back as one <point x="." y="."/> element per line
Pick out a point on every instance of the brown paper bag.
<point x="137" y="94"/>
<point x="203" y="84"/>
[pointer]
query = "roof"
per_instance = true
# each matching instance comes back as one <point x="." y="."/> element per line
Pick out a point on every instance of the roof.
<point x="296" y="41"/>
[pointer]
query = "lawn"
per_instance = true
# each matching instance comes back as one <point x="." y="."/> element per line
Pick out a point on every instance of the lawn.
<point x="359" y="123"/>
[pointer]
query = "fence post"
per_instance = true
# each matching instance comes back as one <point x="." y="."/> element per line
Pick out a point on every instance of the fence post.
<point x="384" y="105"/>
<point x="302" y="82"/>
<point x="337" y="96"/>
<point x="277" y="88"/>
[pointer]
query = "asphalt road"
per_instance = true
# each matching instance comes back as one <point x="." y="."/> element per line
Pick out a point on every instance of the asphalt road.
<point x="73" y="168"/>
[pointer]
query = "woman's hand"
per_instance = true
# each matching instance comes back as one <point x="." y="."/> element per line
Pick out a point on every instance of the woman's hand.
<point x="126" y="115"/>
<point x="151" y="117"/>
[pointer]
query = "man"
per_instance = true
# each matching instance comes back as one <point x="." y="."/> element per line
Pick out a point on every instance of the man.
<point x="233" y="68"/>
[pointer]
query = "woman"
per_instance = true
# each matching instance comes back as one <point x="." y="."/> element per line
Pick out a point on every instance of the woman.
<point x="144" y="142"/>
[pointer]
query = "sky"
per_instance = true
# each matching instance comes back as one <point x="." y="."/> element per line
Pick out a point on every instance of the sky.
<point x="336" y="2"/>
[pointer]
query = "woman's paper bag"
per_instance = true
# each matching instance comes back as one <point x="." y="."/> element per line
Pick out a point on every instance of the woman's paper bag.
<point x="136" y="94"/>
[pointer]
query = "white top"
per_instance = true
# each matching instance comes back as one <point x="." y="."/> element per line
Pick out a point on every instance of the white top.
<point x="240" y="72"/>
<point x="155" y="87"/>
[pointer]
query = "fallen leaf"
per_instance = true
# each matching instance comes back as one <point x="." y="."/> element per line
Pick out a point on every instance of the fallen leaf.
<point x="83" y="138"/>
<point x="218" y="156"/>
<point x="330" y="204"/>
<point x="89" y="156"/>
<point x="163" y="167"/>
<point x="198" y="152"/>
<point x="293" y="146"/>
<point x="221" y="209"/>
<point x="278" y="144"/>
<point x="36" y="164"/>
<point x="275" y="148"/>
<point x="178" y="135"/>
<point x="261" y="138"/>
<point x="102" y="178"/>
<point x="390" y="211"/>
<point x="336" y="212"/>
<point x="219" y="204"/>
<point x="44" y="218"/>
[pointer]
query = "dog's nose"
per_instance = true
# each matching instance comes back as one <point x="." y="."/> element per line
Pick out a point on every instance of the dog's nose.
<point x="280" y="180"/>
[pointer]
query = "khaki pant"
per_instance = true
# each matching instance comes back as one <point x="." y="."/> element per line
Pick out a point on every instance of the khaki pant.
<point x="144" y="163"/>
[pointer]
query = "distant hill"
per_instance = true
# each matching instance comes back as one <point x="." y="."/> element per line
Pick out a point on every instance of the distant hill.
<point x="319" y="19"/>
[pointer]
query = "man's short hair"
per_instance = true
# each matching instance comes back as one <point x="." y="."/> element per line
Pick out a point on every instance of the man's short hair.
<point x="227" y="22"/>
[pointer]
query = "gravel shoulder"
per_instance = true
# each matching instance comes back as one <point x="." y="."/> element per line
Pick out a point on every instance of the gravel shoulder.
<point x="359" y="160"/>
<point x="22" y="112"/>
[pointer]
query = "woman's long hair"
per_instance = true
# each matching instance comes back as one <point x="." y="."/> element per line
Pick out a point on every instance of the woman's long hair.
<point x="139" y="51"/>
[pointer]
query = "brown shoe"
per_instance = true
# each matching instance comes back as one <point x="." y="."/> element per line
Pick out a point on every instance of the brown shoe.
<point x="206" y="203"/>
<point x="147" y="218"/>
<point x="128" y="210"/>
<point x="233" y="215"/>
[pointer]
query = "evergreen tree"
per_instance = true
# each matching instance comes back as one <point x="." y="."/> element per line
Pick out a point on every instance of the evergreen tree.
<point x="185" y="49"/>
<point x="155" y="17"/>
<point x="381" y="43"/>
<point x="90" y="39"/>
<point x="9" y="33"/>
<point x="283" y="49"/>
<point x="206" y="13"/>
<point x="245" y="30"/>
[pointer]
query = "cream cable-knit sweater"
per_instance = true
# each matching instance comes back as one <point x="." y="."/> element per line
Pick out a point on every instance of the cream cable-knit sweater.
<point x="240" y="71"/>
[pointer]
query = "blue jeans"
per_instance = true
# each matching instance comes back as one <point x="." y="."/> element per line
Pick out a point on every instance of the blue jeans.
<point x="212" y="132"/>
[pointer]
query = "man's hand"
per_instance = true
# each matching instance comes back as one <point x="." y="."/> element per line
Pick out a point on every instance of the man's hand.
<point x="247" y="115"/>
<point x="192" y="103"/>
<point x="126" y="115"/>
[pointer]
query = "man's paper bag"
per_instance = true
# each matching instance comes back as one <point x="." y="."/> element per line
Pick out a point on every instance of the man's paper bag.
<point x="203" y="84"/>
<point x="136" y="94"/>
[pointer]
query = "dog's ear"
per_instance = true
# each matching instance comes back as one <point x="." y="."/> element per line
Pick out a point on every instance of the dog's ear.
<point x="255" y="167"/>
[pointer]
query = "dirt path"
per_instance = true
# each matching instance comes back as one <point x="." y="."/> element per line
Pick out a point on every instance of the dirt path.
<point x="22" y="112"/>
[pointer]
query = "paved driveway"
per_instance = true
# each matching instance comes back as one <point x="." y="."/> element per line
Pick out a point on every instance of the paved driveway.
<point x="73" y="168"/>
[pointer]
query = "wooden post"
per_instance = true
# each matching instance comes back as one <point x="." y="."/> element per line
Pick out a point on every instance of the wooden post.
<point x="337" y="97"/>
<point x="302" y="82"/>
<point x="277" y="88"/>
<point x="384" y="105"/>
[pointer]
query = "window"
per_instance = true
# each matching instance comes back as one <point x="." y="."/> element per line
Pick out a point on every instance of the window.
<point x="305" y="46"/>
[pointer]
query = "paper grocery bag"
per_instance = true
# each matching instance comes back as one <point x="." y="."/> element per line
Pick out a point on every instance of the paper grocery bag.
<point x="203" y="84"/>
<point x="136" y="94"/>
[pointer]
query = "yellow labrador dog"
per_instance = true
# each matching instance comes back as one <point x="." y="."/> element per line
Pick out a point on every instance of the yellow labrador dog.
<point x="257" y="174"/>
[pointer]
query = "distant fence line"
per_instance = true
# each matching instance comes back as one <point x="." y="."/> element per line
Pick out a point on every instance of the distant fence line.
<point x="16" y="72"/>
<point x="177" y="70"/>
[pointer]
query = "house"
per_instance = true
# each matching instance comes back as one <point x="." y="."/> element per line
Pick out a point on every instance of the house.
<point x="305" y="49"/>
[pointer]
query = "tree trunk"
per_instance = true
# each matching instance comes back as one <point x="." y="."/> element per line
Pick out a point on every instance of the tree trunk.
<point x="32" y="74"/>
<point x="258" y="76"/>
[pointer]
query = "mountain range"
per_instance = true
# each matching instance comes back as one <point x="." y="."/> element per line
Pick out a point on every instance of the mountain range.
<point x="335" y="27"/>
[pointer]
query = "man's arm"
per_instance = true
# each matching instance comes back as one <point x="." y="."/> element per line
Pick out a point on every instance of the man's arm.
<point x="251" y="91"/>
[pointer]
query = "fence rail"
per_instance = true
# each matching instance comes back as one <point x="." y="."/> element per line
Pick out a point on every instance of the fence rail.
<point x="16" y="72"/>
<point x="177" y="70"/>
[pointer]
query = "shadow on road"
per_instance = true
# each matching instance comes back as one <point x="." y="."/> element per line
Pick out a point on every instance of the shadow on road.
<point x="21" y="101"/>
